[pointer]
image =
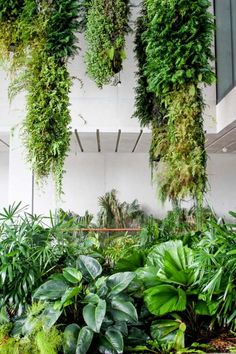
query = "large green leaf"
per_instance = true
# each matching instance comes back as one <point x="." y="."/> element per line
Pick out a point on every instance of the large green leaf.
<point x="70" y="338"/>
<point x="123" y="310"/>
<point x="70" y="294"/>
<point x="173" y="262"/>
<point x="84" y="340"/>
<point x="72" y="275"/>
<point x="163" y="299"/>
<point x="119" y="282"/>
<point x="148" y="276"/>
<point x="89" y="266"/>
<point x="94" y="315"/>
<point x="131" y="261"/>
<point x="50" y="316"/>
<point x="112" y="342"/>
<point x="170" y="332"/>
<point x="51" y="290"/>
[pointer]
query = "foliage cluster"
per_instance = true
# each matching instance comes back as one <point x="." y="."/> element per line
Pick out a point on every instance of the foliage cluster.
<point x="163" y="289"/>
<point x="42" y="38"/>
<point x="107" y="25"/>
<point x="173" y="49"/>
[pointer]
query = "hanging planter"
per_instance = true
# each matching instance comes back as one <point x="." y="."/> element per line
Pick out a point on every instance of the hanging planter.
<point x="107" y="25"/>
<point x="44" y="38"/>
<point x="174" y="61"/>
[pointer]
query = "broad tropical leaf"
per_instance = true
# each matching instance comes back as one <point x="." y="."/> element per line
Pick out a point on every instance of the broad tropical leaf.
<point x="123" y="310"/>
<point x="169" y="331"/>
<point x="163" y="299"/>
<point x="72" y="275"/>
<point x="94" y="315"/>
<point x="173" y="262"/>
<point x="50" y="315"/>
<point x="70" y="338"/>
<point x="112" y="342"/>
<point x="51" y="290"/>
<point x="89" y="266"/>
<point x="84" y="340"/>
<point x="119" y="282"/>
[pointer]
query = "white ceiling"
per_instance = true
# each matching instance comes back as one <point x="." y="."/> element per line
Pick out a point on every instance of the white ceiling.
<point x="139" y="142"/>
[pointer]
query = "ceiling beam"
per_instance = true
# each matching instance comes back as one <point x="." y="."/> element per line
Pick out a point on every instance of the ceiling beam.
<point x="4" y="143"/>
<point x="98" y="140"/>
<point x="78" y="140"/>
<point x="137" y="141"/>
<point x="220" y="137"/>
<point x="118" y="140"/>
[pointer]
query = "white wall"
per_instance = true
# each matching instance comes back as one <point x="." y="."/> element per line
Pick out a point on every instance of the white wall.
<point x="4" y="168"/>
<point x="222" y="180"/>
<point x="89" y="176"/>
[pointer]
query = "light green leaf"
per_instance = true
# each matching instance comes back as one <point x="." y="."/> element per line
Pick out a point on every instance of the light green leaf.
<point x="192" y="90"/>
<point x="163" y="299"/>
<point x="111" y="53"/>
<point x="72" y="275"/>
<point x="70" y="293"/>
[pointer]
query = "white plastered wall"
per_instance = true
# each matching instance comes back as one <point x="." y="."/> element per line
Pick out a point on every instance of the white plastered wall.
<point x="4" y="174"/>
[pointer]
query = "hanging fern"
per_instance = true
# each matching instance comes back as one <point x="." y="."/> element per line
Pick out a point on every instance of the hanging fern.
<point x="43" y="35"/>
<point x="177" y="39"/>
<point x="107" y="25"/>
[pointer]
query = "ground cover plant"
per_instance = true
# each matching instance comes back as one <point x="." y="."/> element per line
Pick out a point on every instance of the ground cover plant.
<point x="164" y="290"/>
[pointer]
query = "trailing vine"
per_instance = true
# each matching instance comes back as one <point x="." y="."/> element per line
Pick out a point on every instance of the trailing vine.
<point x="174" y="62"/>
<point x="43" y="38"/>
<point x="107" y="25"/>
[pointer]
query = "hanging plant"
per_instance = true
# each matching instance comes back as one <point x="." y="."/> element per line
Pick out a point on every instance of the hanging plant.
<point x="177" y="39"/>
<point x="107" y="25"/>
<point x="44" y="38"/>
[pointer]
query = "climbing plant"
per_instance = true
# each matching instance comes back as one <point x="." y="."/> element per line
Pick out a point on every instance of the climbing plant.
<point x="42" y="36"/>
<point x="175" y="38"/>
<point x="107" y="25"/>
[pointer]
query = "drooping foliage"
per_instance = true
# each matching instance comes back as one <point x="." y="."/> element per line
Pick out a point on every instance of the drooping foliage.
<point x="107" y="25"/>
<point x="42" y="38"/>
<point x="175" y="40"/>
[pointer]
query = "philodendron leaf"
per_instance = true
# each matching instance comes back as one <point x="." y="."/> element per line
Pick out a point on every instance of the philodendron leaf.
<point x="51" y="290"/>
<point x="50" y="316"/>
<point x="112" y="342"/>
<point x="89" y="266"/>
<point x="119" y="282"/>
<point x="94" y="315"/>
<point x="70" y="338"/>
<point x="69" y="294"/>
<point x="123" y="310"/>
<point x="72" y="275"/>
<point x="163" y="299"/>
<point x="84" y="340"/>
